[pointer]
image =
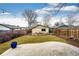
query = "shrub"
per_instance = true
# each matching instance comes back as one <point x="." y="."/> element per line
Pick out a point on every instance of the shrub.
<point x="7" y="38"/>
<point x="50" y="31"/>
<point x="8" y="35"/>
<point x="1" y="40"/>
<point x="2" y="37"/>
<point x="13" y="35"/>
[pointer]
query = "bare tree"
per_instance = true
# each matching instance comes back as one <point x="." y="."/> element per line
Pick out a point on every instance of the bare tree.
<point x="70" y="20"/>
<point x="35" y="23"/>
<point x="46" y="20"/>
<point x="30" y="16"/>
<point x="57" y="24"/>
<point x="54" y="12"/>
<point x="56" y="9"/>
<point x="59" y="6"/>
<point x="3" y="10"/>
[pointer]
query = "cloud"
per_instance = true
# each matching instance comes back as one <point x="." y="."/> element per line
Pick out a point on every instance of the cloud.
<point x="70" y="8"/>
<point x="43" y="11"/>
<point x="46" y="11"/>
<point x="8" y="18"/>
<point x="53" y="20"/>
<point x="14" y="21"/>
<point x="6" y="13"/>
<point x="53" y="4"/>
<point x="50" y="9"/>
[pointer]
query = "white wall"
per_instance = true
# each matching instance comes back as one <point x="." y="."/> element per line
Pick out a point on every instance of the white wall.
<point x="39" y="30"/>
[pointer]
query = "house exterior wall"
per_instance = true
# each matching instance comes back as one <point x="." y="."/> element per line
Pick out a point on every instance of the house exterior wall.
<point x="38" y="30"/>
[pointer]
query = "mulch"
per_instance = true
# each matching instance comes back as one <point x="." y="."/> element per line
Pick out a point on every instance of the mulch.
<point x="70" y="41"/>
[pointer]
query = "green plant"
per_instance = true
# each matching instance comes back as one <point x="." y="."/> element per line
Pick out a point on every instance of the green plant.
<point x="1" y="40"/>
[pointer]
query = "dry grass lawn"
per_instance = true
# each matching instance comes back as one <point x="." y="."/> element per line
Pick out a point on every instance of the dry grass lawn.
<point x="29" y="39"/>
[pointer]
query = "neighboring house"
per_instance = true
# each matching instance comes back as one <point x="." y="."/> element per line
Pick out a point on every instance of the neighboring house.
<point x="40" y="29"/>
<point x="4" y="27"/>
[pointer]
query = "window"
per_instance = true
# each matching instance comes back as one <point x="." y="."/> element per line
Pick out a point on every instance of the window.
<point x="43" y="29"/>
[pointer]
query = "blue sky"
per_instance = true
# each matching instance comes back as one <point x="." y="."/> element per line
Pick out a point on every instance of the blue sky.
<point x="40" y="8"/>
<point x="17" y="8"/>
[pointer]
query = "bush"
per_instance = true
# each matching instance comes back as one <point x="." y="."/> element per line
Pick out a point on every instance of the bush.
<point x="7" y="38"/>
<point x="13" y="36"/>
<point x="4" y="37"/>
<point x="50" y="31"/>
<point x="1" y="40"/>
<point x="10" y="35"/>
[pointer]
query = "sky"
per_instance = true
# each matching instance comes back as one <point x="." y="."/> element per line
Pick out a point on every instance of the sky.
<point x="19" y="7"/>
<point x="13" y="12"/>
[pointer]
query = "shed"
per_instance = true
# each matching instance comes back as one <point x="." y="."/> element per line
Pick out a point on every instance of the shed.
<point x="40" y="29"/>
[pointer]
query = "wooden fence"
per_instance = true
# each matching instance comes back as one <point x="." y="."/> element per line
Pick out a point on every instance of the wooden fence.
<point x="67" y="33"/>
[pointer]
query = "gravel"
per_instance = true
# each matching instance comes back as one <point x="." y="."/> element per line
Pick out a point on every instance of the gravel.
<point x="43" y="49"/>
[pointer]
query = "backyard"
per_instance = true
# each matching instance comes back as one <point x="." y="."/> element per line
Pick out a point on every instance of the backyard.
<point x="38" y="24"/>
<point x="30" y="39"/>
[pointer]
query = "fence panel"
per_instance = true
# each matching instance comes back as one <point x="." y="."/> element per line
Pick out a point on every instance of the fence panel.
<point x="67" y="32"/>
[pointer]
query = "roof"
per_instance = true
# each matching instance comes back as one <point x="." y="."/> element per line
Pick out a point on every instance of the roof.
<point x="64" y="26"/>
<point x="10" y="26"/>
<point x="68" y="27"/>
<point x="40" y="25"/>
